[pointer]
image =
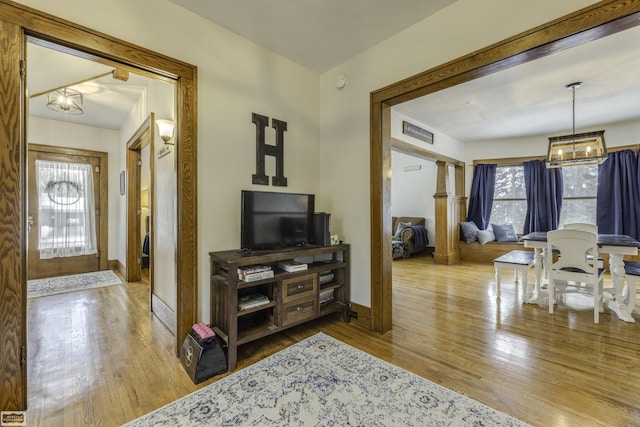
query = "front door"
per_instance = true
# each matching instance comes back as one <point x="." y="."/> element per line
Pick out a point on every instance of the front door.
<point x="63" y="212"/>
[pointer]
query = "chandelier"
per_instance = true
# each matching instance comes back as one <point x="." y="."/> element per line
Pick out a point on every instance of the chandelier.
<point x="576" y="149"/>
<point x="65" y="100"/>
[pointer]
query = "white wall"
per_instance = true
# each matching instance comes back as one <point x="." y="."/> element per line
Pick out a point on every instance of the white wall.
<point x="412" y="191"/>
<point x="236" y="78"/>
<point x="61" y="134"/>
<point x="442" y="143"/>
<point x="457" y="30"/>
<point x="161" y="101"/>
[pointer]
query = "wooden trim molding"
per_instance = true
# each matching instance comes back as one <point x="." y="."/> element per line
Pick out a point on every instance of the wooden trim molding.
<point x="507" y="160"/>
<point x="103" y="185"/>
<point x="363" y="314"/>
<point x="13" y="239"/>
<point x="590" y="23"/>
<point x="17" y="23"/>
<point x="414" y="150"/>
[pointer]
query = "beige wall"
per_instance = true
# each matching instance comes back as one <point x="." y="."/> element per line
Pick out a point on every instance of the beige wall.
<point x="235" y="78"/>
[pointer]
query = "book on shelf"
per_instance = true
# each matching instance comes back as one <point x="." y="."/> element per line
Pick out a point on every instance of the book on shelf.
<point x="250" y="269"/>
<point x="252" y="277"/>
<point x="326" y="296"/>
<point x="251" y="301"/>
<point x="292" y="266"/>
<point x="326" y="277"/>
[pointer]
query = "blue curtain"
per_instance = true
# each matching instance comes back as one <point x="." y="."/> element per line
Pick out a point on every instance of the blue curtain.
<point x="544" y="196"/>
<point x="618" y="200"/>
<point x="481" y="196"/>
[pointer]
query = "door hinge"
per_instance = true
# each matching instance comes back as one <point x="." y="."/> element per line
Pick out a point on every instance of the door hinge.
<point x="139" y="163"/>
<point x="22" y="69"/>
<point x="98" y="254"/>
<point x="98" y="211"/>
<point x="23" y="357"/>
<point x="97" y="169"/>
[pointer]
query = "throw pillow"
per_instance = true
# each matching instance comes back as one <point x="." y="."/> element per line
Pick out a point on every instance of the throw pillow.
<point x="505" y="232"/>
<point x="486" y="236"/>
<point x="469" y="231"/>
<point x="400" y="229"/>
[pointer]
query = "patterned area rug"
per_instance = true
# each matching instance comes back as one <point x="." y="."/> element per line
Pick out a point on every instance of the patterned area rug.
<point x="71" y="283"/>
<point x="323" y="381"/>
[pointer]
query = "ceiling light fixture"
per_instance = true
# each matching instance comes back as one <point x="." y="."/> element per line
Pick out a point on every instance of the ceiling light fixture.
<point x="576" y="149"/>
<point x="65" y="100"/>
<point x="165" y="129"/>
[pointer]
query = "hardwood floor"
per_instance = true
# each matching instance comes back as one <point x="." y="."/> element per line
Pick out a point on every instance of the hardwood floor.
<point x="99" y="358"/>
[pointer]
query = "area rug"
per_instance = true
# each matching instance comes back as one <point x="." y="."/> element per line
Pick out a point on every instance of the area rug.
<point x="71" y="283"/>
<point x="321" y="381"/>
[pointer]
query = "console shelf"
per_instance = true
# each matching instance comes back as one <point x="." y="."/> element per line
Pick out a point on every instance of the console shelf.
<point x="294" y="296"/>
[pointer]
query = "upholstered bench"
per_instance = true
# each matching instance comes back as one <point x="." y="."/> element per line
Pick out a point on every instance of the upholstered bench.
<point x="519" y="261"/>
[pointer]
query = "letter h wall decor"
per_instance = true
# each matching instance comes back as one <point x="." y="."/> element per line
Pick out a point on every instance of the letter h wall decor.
<point x="262" y="150"/>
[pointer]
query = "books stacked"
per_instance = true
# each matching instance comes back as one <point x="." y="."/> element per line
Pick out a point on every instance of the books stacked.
<point x="326" y="296"/>
<point x="292" y="266"/>
<point x="251" y="273"/>
<point x="326" y="277"/>
<point x="252" y="301"/>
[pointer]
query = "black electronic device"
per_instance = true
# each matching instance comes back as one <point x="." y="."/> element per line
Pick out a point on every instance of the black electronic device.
<point x="272" y="220"/>
<point x="321" y="229"/>
<point x="202" y="359"/>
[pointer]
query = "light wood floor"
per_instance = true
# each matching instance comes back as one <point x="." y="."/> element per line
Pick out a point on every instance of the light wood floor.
<point x="98" y="358"/>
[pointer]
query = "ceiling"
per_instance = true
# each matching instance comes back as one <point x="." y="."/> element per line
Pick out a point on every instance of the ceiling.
<point x="531" y="99"/>
<point x="107" y="101"/>
<point x="525" y="100"/>
<point x="317" y="34"/>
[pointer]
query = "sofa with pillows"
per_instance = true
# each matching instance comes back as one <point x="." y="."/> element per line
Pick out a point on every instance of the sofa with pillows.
<point x="409" y="235"/>
<point x="486" y="245"/>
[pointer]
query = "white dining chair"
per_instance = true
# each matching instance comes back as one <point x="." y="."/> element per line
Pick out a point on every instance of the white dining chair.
<point x="587" y="227"/>
<point x="571" y="271"/>
<point x="581" y="226"/>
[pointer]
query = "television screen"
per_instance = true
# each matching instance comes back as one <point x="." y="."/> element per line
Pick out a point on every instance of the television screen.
<point x="273" y="220"/>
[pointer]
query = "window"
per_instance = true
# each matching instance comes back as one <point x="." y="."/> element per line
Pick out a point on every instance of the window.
<point x="509" y="199"/>
<point x="579" y="194"/>
<point x="66" y="215"/>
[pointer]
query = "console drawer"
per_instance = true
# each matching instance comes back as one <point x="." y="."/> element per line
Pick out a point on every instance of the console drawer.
<point x="299" y="287"/>
<point x="297" y="311"/>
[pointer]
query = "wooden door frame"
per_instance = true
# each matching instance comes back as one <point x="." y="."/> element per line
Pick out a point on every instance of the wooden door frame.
<point x="142" y="137"/>
<point x="103" y="185"/>
<point x="17" y="23"/>
<point x="587" y="24"/>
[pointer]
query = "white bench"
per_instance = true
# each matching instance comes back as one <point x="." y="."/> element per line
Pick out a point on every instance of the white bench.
<point x="519" y="261"/>
<point x="632" y="276"/>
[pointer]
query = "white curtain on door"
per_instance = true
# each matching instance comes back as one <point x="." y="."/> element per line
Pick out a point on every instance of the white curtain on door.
<point x="66" y="211"/>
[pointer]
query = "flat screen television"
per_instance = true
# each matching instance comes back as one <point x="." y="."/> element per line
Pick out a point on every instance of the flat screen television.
<point x="272" y="220"/>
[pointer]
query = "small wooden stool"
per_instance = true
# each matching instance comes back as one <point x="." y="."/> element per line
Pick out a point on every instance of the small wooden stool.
<point x="518" y="261"/>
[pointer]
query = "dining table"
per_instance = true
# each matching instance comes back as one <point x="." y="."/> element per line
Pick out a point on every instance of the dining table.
<point x="622" y="298"/>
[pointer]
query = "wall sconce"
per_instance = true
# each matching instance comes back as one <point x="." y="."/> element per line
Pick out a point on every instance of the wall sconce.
<point x="165" y="128"/>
